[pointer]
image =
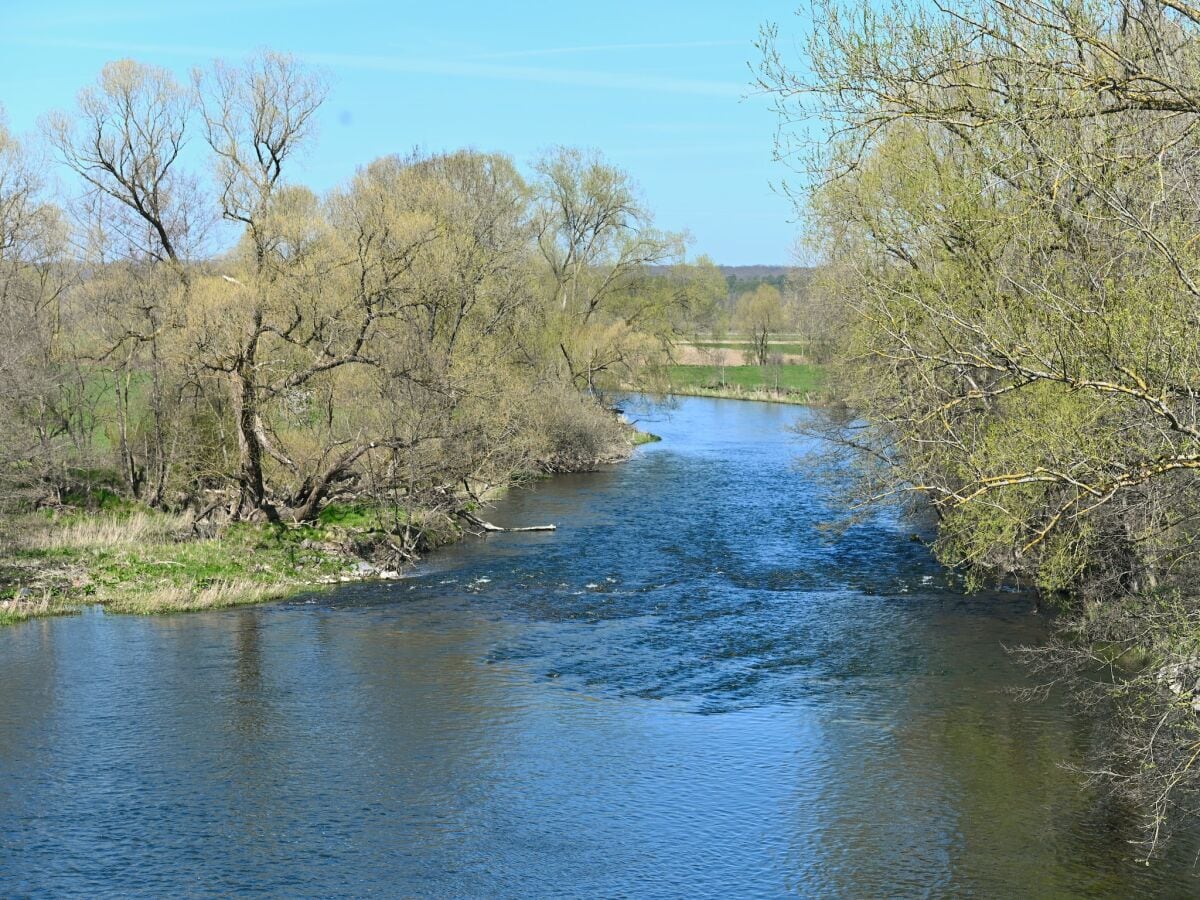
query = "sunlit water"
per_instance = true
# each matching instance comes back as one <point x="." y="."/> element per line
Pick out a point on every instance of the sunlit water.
<point x="689" y="689"/>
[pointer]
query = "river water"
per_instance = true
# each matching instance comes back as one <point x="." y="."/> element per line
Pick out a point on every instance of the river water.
<point x="690" y="689"/>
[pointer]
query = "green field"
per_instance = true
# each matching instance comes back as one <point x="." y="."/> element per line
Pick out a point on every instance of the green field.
<point x="800" y="379"/>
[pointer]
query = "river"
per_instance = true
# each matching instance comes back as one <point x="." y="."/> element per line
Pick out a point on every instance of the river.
<point x="689" y="689"/>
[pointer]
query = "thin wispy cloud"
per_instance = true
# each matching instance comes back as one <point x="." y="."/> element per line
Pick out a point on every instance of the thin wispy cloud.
<point x="109" y="15"/>
<point x="605" y="48"/>
<point x="694" y="150"/>
<point x="125" y="48"/>
<point x="454" y="68"/>
<point x="575" y="77"/>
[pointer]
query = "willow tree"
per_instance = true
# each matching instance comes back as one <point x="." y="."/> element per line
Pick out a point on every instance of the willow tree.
<point x="44" y="404"/>
<point x="1007" y="194"/>
<point x="760" y="315"/>
<point x="256" y="116"/>
<point x="677" y="301"/>
<point x="436" y="248"/>
<point x="143" y="217"/>
<point x="125" y="140"/>
<point x="597" y="238"/>
<point x="240" y="376"/>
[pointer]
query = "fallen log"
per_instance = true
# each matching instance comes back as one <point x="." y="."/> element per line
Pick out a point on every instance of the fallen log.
<point x="488" y="526"/>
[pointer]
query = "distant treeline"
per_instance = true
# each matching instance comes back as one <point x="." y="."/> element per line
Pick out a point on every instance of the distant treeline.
<point x="745" y="279"/>
<point x="760" y="303"/>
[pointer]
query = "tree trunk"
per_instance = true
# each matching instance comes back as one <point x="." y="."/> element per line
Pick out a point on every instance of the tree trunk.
<point x="128" y="462"/>
<point x="253" y="499"/>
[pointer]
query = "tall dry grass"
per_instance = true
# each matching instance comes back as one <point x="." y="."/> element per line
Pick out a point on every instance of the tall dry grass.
<point x="17" y="609"/>
<point x="185" y="598"/>
<point x="102" y="532"/>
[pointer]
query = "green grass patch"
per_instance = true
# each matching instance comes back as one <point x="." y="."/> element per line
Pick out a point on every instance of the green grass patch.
<point x="348" y="515"/>
<point x="800" y="378"/>
<point x="135" y="560"/>
<point x="143" y="562"/>
<point x="356" y="515"/>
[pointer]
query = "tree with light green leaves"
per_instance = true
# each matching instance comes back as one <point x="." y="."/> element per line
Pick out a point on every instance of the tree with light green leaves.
<point x="45" y="408"/>
<point x="245" y="348"/>
<point x="1004" y="195"/>
<point x="760" y="315"/>
<point x="597" y="239"/>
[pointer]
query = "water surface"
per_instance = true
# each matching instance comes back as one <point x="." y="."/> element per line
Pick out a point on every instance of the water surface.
<point x="689" y="689"/>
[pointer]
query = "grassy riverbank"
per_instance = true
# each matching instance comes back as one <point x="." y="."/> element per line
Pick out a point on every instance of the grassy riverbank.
<point x="141" y="561"/>
<point x="796" y="383"/>
<point x="130" y="559"/>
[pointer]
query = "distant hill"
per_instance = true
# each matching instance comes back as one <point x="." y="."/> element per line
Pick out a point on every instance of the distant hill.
<point x="754" y="272"/>
<point x="744" y="279"/>
<point x="744" y="272"/>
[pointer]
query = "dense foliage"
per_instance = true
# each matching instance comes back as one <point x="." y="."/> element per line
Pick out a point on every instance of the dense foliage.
<point x="1005" y="196"/>
<point x="188" y="327"/>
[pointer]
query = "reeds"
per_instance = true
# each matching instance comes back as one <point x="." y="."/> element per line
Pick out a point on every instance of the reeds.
<point x="191" y="598"/>
<point x="102" y="532"/>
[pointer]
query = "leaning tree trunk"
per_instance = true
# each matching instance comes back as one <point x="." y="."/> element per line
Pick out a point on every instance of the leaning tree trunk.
<point x="252" y="498"/>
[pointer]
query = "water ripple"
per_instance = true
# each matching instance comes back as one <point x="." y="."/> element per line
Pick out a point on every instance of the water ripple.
<point x="690" y="689"/>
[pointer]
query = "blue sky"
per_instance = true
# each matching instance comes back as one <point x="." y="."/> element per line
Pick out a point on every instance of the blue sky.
<point x="662" y="89"/>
